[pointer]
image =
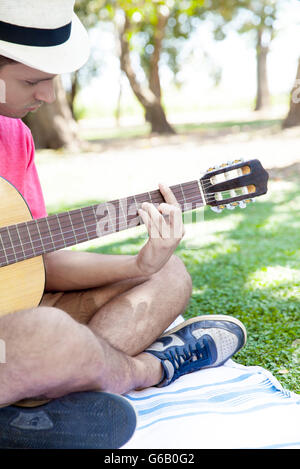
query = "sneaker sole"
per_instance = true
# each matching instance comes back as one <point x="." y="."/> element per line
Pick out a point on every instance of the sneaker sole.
<point x="83" y="420"/>
<point x="212" y="317"/>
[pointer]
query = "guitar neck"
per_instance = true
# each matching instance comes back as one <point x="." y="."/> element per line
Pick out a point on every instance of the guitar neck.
<point x="36" y="237"/>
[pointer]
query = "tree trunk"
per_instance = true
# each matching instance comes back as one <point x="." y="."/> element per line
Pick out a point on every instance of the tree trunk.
<point x="73" y="92"/>
<point x="149" y="97"/>
<point x="154" y="81"/>
<point x="293" y="117"/>
<point x="263" y="98"/>
<point x="52" y="125"/>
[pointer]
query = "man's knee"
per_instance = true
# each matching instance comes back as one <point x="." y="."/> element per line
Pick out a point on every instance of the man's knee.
<point x="177" y="275"/>
<point x="38" y="327"/>
<point x="45" y="349"/>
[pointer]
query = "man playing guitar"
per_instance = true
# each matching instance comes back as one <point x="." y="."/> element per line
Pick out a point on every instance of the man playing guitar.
<point x="101" y="320"/>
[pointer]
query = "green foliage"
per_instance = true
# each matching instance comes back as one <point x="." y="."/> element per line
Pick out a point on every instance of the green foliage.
<point x="245" y="16"/>
<point x="183" y="17"/>
<point x="144" y="19"/>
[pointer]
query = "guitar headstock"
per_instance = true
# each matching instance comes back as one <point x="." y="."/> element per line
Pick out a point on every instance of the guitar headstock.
<point x="233" y="184"/>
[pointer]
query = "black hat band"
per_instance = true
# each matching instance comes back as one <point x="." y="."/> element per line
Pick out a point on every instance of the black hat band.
<point x="34" y="36"/>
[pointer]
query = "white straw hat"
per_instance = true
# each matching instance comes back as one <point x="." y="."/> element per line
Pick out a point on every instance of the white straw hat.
<point x="43" y="34"/>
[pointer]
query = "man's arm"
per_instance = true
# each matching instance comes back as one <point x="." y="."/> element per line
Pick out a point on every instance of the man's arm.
<point x="71" y="270"/>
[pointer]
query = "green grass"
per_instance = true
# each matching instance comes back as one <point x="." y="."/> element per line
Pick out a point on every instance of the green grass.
<point x="246" y="263"/>
<point x="132" y="132"/>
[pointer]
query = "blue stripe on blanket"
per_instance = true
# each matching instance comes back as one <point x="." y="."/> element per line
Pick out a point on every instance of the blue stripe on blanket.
<point x="210" y="396"/>
<point x="206" y="412"/>
<point x="166" y="393"/>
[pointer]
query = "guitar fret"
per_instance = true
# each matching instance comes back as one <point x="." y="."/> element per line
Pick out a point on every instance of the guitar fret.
<point x="36" y="237"/>
<point x="117" y="224"/>
<point x="14" y="242"/>
<point x="132" y="217"/>
<point x="201" y="190"/>
<point x="21" y="245"/>
<point x="50" y="234"/>
<point x="3" y="249"/>
<point x="105" y="222"/>
<point x="11" y="246"/>
<point x="79" y="219"/>
<point x="61" y="231"/>
<point x="84" y="224"/>
<point x="150" y="198"/>
<point x="124" y="214"/>
<point x="40" y="235"/>
<point x="183" y="194"/>
<point x="56" y="234"/>
<point x="136" y="203"/>
<point x="72" y="226"/>
<point x="192" y="195"/>
<point x="31" y="245"/>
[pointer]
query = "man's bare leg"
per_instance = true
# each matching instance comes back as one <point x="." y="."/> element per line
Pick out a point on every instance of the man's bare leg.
<point x="133" y="319"/>
<point x="49" y="355"/>
<point x="131" y="314"/>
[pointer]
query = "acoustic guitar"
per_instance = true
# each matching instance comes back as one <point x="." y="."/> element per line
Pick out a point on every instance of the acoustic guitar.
<point x="24" y="240"/>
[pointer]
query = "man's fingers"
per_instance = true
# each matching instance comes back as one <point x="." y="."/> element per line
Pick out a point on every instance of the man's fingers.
<point x="165" y="221"/>
<point x="166" y="209"/>
<point x="168" y="195"/>
<point x="158" y="221"/>
<point x="150" y="219"/>
<point x="174" y="214"/>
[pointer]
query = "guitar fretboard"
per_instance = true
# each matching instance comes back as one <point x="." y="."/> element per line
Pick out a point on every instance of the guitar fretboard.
<point x="36" y="237"/>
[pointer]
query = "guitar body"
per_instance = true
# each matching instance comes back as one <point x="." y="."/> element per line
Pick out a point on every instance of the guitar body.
<point x="21" y="284"/>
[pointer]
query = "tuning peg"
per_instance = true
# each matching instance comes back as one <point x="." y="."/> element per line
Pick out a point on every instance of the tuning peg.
<point x="212" y="168"/>
<point x="239" y="160"/>
<point x="230" y="206"/>
<point x="242" y="204"/>
<point x="217" y="209"/>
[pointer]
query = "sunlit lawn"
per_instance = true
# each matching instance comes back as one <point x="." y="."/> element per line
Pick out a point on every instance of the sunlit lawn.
<point x="245" y="263"/>
<point x="135" y="131"/>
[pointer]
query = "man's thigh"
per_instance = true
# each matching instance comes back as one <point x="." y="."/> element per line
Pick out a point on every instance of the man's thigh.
<point x="82" y="305"/>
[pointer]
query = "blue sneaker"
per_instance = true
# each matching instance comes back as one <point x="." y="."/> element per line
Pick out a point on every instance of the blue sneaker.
<point x="201" y="342"/>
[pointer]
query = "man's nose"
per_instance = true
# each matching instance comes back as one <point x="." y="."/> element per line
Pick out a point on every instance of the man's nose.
<point x="45" y="92"/>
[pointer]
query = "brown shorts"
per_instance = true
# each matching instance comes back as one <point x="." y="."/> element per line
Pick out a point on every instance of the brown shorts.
<point x="81" y="304"/>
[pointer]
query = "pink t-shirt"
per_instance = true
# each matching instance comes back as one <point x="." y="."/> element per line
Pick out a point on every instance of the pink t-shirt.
<point x="17" y="163"/>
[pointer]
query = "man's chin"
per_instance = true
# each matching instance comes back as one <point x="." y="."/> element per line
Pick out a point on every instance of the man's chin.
<point x="13" y="113"/>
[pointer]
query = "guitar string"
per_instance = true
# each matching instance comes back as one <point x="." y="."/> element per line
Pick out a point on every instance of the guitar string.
<point x="57" y="232"/>
<point x="120" y="226"/>
<point x="209" y="198"/>
<point x="105" y="206"/>
<point x="85" y="209"/>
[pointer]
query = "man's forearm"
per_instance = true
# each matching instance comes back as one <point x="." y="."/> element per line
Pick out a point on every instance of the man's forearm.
<point x="73" y="270"/>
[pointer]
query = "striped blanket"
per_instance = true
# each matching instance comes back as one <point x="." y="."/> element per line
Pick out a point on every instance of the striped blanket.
<point x="231" y="406"/>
